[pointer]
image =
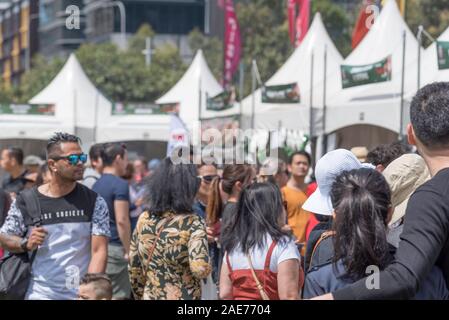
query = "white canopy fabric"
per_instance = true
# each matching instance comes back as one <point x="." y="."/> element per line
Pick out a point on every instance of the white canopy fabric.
<point x="298" y="69"/>
<point x="186" y="92"/>
<point x="379" y="103"/>
<point x="82" y="109"/>
<point x="429" y="63"/>
<point x="31" y="126"/>
<point x="79" y="104"/>
<point x="133" y="128"/>
<point x="68" y="88"/>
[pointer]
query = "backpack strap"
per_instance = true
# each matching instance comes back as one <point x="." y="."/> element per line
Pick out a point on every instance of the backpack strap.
<point x="228" y="262"/>
<point x="29" y="206"/>
<point x="269" y="254"/>
<point x="324" y="235"/>
<point x="262" y="292"/>
<point x="153" y="247"/>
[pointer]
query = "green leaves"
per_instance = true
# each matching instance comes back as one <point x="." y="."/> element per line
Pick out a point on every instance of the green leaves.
<point x="212" y="48"/>
<point x="120" y="75"/>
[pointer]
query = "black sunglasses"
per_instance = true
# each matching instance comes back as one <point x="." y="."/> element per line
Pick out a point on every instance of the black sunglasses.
<point x="73" y="159"/>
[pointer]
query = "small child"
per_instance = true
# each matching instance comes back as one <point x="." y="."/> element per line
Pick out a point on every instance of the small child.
<point x="95" y="286"/>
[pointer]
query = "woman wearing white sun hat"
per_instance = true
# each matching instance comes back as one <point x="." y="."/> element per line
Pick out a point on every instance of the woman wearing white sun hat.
<point x="319" y="247"/>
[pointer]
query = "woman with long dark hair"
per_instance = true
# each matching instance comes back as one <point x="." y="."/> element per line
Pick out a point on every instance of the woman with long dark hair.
<point x="221" y="206"/>
<point x="261" y="261"/>
<point x="362" y="209"/>
<point x="169" y="253"/>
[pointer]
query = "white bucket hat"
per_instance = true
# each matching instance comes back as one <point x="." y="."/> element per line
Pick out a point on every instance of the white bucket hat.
<point x="327" y="169"/>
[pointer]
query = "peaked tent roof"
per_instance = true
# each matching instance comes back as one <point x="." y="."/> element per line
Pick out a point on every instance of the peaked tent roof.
<point x="372" y="103"/>
<point x="74" y="97"/>
<point x="186" y="92"/>
<point x="87" y="112"/>
<point x="79" y="104"/>
<point x="297" y="68"/>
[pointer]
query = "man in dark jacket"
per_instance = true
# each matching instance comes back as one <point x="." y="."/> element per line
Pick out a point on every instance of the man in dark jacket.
<point x="425" y="239"/>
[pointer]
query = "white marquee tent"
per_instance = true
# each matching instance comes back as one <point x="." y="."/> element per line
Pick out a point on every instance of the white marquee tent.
<point x="379" y="103"/>
<point x="297" y="69"/>
<point x="78" y="102"/>
<point x="187" y="93"/>
<point x="68" y="91"/>
<point x="82" y="109"/>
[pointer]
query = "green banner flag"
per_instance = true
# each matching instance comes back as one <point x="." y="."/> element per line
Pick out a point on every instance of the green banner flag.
<point x="443" y="54"/>
<point x="120" y="108"/>
<point x="221" y="101"/>
<point x="286" y="93"/>
<point x="28" y="109"/>
<point x="353" y="76"/>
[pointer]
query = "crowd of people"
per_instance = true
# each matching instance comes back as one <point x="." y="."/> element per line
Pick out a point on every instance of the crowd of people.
<point x="280" y="230"/>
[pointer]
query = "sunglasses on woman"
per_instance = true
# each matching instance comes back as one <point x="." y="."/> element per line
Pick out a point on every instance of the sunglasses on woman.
<point x="73" y="159"/>
<point x="209" y="178"/>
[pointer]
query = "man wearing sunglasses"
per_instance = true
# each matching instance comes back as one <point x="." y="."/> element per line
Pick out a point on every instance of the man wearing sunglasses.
<point x="72" y="236"/>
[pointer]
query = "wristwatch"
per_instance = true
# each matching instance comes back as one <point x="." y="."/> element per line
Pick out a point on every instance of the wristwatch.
<point x="23" y="244"/>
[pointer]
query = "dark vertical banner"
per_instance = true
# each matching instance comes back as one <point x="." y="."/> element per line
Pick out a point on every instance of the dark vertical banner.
<point x="291" y="14"/>
<point x="302" y="21"/>
<point x="232" y="45"/>
<point x="443" y="54"/>
<point x="364" y="23"/>
<point x="298" y="14"/>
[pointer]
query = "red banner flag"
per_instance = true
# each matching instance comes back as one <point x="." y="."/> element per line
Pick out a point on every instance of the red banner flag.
<point x="364" y="23"/>
<point x="291" y="14"/>
<point x="232" y="43"/>
<point x="302" y="21"/>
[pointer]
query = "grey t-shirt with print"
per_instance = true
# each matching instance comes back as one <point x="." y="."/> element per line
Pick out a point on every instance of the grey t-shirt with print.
<point x="64" y="257"/>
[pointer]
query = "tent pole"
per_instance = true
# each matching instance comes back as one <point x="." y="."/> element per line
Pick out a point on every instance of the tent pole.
<point x="419" y="36"/>
<point x="253" y="89"/>
<point x="311" y="102"/>
<point x="324" y="101"/>
<point x="96" y="118"/>
<point x="401" y="124"/>
<point x="241" y="89"/>
<point x="74" y="114"/>
<point x="200" y="100"/>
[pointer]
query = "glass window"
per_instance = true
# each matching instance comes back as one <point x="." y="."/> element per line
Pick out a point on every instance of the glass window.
<point x="165" y="18"/>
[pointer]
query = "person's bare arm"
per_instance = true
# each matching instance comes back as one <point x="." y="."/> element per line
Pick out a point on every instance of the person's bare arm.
<point x="12" y="243"/>
<point x="288" y="279"/>
<point x="327" y="296"/>
<point x="99" y="254"/>
<point x="225" y="283"/>
<point x="121" y="208"/>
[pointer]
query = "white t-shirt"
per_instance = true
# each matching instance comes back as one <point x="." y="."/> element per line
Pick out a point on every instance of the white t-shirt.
<point x="281" y="252"/>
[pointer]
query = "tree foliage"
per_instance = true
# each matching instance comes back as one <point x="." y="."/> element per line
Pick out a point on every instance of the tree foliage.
<point x="212" y="48"/>
<point x="123" y="75"/>
<point x="119" y="75"/>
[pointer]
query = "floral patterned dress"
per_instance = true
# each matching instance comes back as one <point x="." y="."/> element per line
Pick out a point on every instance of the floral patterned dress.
<point x="179" y="261"/>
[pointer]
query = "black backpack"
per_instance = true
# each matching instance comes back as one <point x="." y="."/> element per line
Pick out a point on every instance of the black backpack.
<point x="15" y="268"/>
